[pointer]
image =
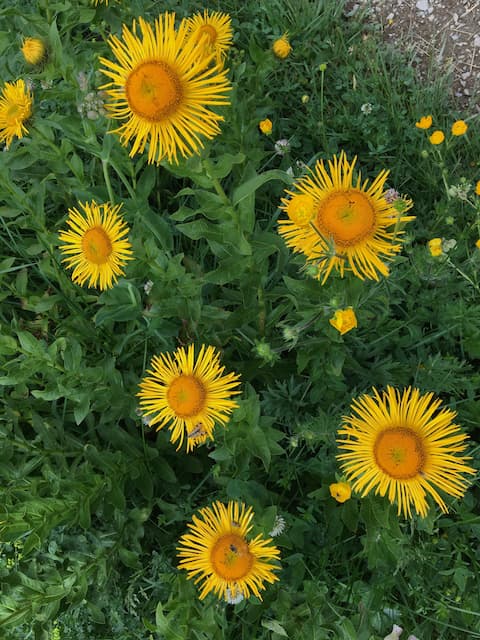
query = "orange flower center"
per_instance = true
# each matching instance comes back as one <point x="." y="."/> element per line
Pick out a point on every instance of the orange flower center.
<point x="96" y="245"/>
<point x="208" y="31"/>
<point x="346" y="216"/>
<point x="231" y="557"/>
<point x="153" y="91"/>
<point x="186" y="396"/>
<point x="399" y="452"/>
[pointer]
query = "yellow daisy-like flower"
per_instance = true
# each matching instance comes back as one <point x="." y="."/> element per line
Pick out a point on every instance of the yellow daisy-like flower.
<point x="425" y="122"/>
<point x="187" y="394"/>
<point x="265" y="126"/>
<point x="404" y="445"/>
<point x="437" y="137"/>
<point x="435" y="247"/>
<point x="217" y="552"/>
<point x="15" y="109"/>
<point x="344" y="320"/>
<point x="95" y="244"/>
<point x="341" y="491"/>
<point x="212" y="31"/>
<point x="33" y="50"/>
<point x="459" y="128"/>
<point x="282" y="47"/>
<point x="163" y="87"/>
<point x="341" y="223"/>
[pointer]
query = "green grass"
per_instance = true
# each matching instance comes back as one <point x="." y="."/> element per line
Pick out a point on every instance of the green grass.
<point x="92" y="501"/>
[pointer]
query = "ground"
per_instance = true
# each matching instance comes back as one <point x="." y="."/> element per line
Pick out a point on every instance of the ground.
<point x="439" y="35"/>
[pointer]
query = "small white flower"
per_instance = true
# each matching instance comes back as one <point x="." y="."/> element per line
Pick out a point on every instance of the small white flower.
<point x="147" y="287"/>
<point x="278" y="527"/>
<point x="289" y="171"/>
<point x="282" y="146"/>
<point x="391" y="195"/>
<point x="234" y="596"/>
<point x="396" y="633"/>
<point x="366" y="108"/>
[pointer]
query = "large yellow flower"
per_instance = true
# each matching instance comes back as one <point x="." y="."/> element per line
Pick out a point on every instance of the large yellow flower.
<point x="404" y="445"/>
<point x="212" y="31"/>
<point x="188" y="395"/>
<point x="341" y="223"/>
<point x="95" y="244"/>
<point x="163" y="85"/>
<point x="15" y="109"/>
<point x="217" y="552"/>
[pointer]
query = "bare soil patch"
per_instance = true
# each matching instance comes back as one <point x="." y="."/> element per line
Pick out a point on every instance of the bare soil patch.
<point x="438" y="34"/>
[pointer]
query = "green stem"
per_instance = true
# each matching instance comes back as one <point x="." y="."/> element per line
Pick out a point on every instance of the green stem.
<point x="108" y="184"/>
<point x="207" y="165"/>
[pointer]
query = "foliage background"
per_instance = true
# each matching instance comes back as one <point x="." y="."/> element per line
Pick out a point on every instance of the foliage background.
<point x="92" y="501"/>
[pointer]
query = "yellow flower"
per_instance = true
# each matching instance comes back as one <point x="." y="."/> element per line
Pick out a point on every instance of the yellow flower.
<point x="344" y="320"/>
<point x="163" y="88"/>
<point x="212" y="31"/>
<point x="187" y="395"/>
<point x="459" y="128"/>
<point x="265" y="126"/>
<point x="351" y="226"/>
<point x="425" y="122"/>
<point x="33" y="50"/>
<point x="477" y="188"/>
<point x="300" y="209"/>
<point x="437" y="137"/>
<point x="96" y="245"/>
<point x="341" y="491"/>
<point x="435" y="247"/>
<point x="404" y="445"/>
<point x="218" y="553"/>
<point x="15" y="109"/>
<point x="477" y="243"/>
<point x="282" y="47"/>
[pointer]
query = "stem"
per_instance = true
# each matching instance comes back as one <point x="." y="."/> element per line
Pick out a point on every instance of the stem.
<point x="108" y="184"/>
<point x="207" y="165"/>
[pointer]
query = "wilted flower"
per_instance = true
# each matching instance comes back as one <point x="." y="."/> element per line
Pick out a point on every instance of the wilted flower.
<point x="396" y="633"/>
<point x="278" y="527"/>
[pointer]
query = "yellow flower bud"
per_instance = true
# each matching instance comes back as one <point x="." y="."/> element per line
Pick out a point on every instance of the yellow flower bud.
<point x="341" y="491"/>
<point x="435" y="246"/>
<point x="265" y="126"/>
<point x="459" y="128"/>
<point x="282" y="47"/>
<point x="300" y="209"/>
<point x="437" y="137"/>
<point x="344" y="320"/>
<point x="425" y="122"/>
<point x="33" y="50"/>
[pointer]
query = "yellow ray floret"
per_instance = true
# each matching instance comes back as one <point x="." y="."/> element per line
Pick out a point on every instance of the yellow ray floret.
<point x="404" y="445"/>
<point x="15" y="109"/>
<point x="188" y="394"/>
<point x="95" y="244"/>
<point x="212" y="32"/>
<point x="340" y="223"/>
<point x="218" y="553"/>
<point x="163" y="86"/>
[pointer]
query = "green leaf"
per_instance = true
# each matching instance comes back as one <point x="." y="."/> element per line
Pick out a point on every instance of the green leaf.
<point x="275" y="626"/>
<point x="250" y="186"/>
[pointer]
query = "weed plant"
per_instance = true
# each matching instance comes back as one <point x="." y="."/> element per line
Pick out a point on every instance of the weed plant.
<point x="93" y="501"/>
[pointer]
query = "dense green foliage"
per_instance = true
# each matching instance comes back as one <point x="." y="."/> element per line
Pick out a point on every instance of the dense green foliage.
<point x="92" y="501"/>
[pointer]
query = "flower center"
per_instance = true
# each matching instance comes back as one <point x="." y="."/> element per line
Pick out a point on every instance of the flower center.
<point x="96" y="245"/>
<point x="399" y="452"/>
<point x="208" y="31"/>
<point x="346" y="216"/>
<point x="300" y="210"/>
<point x="186" y="396"/>
<point x="153" y="91"/>
<point x="231" y="557"/>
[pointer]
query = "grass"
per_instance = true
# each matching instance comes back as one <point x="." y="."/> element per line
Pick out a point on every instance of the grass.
<point x="93" y="501"/>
